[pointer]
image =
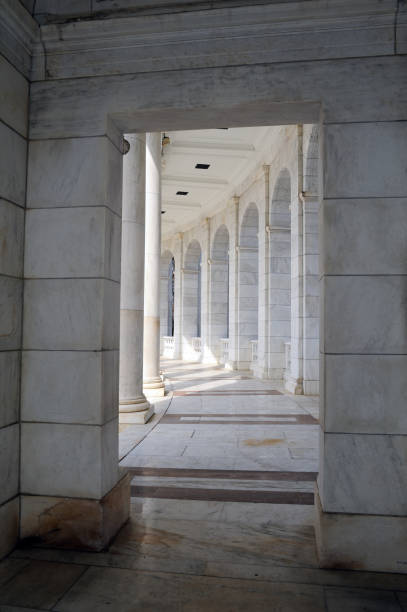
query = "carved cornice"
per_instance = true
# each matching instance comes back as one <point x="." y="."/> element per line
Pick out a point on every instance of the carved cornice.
<point x="18" y="32"/>
<point x="261" y="33"/>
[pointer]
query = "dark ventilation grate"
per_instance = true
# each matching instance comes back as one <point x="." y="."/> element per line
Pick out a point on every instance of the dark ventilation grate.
<point x="182" y="192"/>
<point x="202" y="166"/>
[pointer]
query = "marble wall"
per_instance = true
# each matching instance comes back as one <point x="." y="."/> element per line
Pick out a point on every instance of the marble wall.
<point x="13" y="163"/>
<point x="186" y="71"/>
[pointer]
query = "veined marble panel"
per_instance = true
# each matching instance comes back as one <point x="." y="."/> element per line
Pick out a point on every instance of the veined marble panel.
<point x="361" y="542"/>
<point x="71" y="314"/>
<point x="9" y="387"/>
<point x="70" y="386"/>
<point x="245" y="95"/>
<point x="11" y="238"/>
<point x="364" y="474"/>
<point x="72" y="242"/>
<point x="12" y="165"/>
<point x="13" y="97"/>
<point x="366" y="394"/>
<point x="373" y="231"/>
<point x="68" y="460"/>
<point x="365" y="314"/>
<point x="9" y="461"/>
<point x="85" y="172"/>
<point x="10" y="313"/>
<point x="365" y="160"/>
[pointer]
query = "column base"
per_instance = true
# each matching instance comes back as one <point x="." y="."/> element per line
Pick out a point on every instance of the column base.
<point x="154" y="387"/>
<point x="141" y="417"/>
<point x="67" y="522"/>
<point x="294" y="385"/>
<point x="138" y="404"/>
<point x="366" y="542"/>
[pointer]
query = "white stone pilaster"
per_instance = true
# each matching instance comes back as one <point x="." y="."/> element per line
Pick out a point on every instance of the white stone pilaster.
<point x="70" y="379"/>
<point x="178" y="288"/>
<point x="361" y="501"/>
<point x="261" y="368"/>
<point x="234" y="287"/>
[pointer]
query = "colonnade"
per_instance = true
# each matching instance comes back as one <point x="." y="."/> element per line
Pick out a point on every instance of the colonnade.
<point x="242" y="286"/>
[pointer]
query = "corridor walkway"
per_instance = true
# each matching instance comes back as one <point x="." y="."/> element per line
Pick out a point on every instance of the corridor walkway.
<point x="222" y="515"/>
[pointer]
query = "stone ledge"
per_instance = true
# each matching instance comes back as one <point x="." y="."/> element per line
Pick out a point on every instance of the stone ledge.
<point x="360" y="542"/>
<point x="66" y="522"/>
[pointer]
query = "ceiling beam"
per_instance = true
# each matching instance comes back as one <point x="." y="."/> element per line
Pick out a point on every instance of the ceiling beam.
<point x="189" y="145"/>
<point x="207" y="183"/>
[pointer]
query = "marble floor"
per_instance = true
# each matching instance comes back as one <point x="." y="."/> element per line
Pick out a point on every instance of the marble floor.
<point x="221" y="515"/>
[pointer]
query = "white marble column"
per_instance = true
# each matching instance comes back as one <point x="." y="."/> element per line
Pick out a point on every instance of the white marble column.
<point x="361" y="496"/>
<point x="134" y="407"/>
<point x="152" y="381"/>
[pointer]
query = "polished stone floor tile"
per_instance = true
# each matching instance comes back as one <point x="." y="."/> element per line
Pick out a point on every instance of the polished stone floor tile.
<point x="184" y="554"/>
<point x="9" y="567"/>
<point x="236" y="533"/>
<point x="40" y="584"/>
<point x="127" y="591"/>
<point x="360" y="600"/>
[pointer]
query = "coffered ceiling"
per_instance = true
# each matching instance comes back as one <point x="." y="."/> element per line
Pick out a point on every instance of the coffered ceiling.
<point x="191" y="193"/>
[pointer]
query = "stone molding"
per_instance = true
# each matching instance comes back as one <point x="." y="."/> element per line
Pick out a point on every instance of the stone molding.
<point x="276" y="228"/>
<point x="18" y="32"/>
<point x="264" y="33"/>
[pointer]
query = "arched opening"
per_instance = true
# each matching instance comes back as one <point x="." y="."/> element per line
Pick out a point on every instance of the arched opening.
<point x="191" y="306"/>
<point x="280" y="278"/>
<point x="167" y="301"/>
<point x="219" y="295"/>
<point x="248" y="288"/>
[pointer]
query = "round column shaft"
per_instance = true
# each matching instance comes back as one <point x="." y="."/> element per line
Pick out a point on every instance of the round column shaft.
<point x="131" y="395"/>
<point x="153" y="384"/>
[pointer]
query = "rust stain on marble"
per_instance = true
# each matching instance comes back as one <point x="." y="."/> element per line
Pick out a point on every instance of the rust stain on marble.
<point x="263" y="442"/>
<point x="160" y="537"/>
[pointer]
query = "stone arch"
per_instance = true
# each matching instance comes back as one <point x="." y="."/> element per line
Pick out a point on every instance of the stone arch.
<point x="219" y="291"/>
<point x="191" y="300"/>
<point x="280" y="276"/>
<point x="248" y="288"/>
